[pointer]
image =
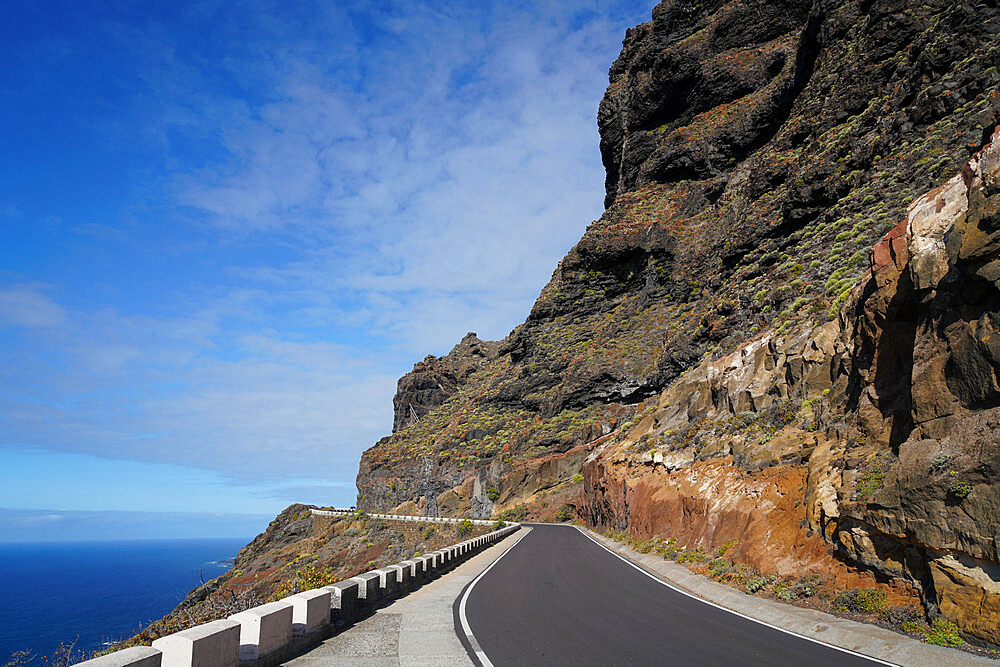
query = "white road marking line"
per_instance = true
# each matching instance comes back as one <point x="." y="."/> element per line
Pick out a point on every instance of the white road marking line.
<point x="670" y="585"/>
<point x="461" y="605"/>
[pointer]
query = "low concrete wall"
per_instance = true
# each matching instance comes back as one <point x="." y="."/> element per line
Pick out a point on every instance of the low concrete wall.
<point x="215" y="643"/>
<point x="400" y="517"/>
<point x="272" y="633"/>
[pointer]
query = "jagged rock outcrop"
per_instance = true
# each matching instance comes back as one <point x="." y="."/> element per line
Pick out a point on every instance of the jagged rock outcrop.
<point x="434" y="379"/>
<point x="772" y="331"/>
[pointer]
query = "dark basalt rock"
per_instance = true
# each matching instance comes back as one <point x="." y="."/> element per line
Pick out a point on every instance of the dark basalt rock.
<point x="755" y="151"/>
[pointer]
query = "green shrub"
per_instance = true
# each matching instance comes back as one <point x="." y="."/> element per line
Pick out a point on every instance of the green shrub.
<point x="565" y="513"/>
<point x="943" y="633"/>
<point x="515" y="513"/>
<point x="691" y="556"/>
<point x="493" y="494"/>
<point x="909" y="618"/>
<point x="498" y="525"/>
<point x="759" y="583"/>
<point x="873" y="477"/>
<point x="464" y="528"/>
<point x="959" y="489"/>
<point x="784" y="591"/>
<point x="806" y="586"/>
<point x="428" y="531"/>
<point x="577" y="478"/>
<point x="718" y="568"/>
<point x="722" y="550"/>
<point x="741" y="573"/>
<point x="941" y="462"/>
<point x="861" y="601"/>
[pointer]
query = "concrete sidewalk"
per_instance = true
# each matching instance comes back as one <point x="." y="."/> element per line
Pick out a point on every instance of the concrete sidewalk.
<point x="417" y="629"/>
<point x="869" y="640"/>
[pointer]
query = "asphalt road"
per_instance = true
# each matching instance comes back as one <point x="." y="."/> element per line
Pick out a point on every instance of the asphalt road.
<point x="558" y="598"/>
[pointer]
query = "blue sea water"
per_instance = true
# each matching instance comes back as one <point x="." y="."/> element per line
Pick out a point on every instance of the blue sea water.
<point x="97" y="591"/>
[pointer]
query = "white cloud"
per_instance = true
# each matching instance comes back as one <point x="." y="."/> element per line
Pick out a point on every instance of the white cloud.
<point x="379" y="182"/>
<point x="25" y="305"/>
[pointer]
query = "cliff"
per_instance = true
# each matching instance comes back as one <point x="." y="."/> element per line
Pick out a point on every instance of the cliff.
<point x="782" y="329"/>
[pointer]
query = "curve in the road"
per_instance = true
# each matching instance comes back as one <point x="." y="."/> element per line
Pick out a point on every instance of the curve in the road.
<point x="559" y="598"/>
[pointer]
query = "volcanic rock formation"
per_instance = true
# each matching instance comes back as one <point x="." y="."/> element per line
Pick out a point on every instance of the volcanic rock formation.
<point x="785" y="328"/>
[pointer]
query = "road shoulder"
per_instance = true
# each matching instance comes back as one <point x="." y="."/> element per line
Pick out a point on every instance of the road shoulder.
<point x="417" y="629"/>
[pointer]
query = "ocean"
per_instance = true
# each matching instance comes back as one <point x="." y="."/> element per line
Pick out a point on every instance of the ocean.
<point x="97" y="591"/>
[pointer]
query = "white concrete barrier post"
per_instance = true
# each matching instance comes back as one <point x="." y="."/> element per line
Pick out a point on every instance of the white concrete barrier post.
<point x="310" y="610"/>
<point x="434" y="565"/>
<point x="134" y="656"/>
<point x="387" y="583"/>
<point x="425" y="568"/>
<point x="343" y="601"/>
<point x="439" y="562"/>
<point x="368" y="585"/>
<point x="215" y="644"/>
<point x="414" y="568"/>
<point x="264" y="629"/>
<point x="402" y="571"/>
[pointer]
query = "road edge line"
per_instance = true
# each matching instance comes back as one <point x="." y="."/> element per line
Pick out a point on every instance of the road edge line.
<point x="473" y="647"/>
<point x="682" y="591"/>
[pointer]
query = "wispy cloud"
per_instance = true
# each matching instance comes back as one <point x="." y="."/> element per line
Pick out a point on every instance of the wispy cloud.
<point x="26" y="305"/>
<point x="322" y="196"/>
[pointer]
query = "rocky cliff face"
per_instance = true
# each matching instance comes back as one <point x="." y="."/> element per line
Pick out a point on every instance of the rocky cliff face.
<point x="782" y="330"/>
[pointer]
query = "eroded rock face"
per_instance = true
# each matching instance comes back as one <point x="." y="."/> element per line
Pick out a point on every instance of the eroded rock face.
<point x="886" y="418"/>
<point x="785" y="320"/>
<point x="434" y="379"/>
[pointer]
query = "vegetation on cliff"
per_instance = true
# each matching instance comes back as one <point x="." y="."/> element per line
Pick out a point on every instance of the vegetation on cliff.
<point x="783" y="325"/>
<point x="300" y="551"/>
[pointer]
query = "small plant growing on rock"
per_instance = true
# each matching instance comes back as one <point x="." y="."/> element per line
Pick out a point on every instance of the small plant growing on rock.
<point x="565" y="513"/>
<point x="428" y="531"/>
<point x="718" y="568"/>
<point x="806" y="587"/>
<point x="943" y="633"/>
<point x="464" y="528"/>
<point x="873" y="478"/>
<point x="784" y="591"/>
<point x="860" y="601"/>
<point x="959" y="489"/>
<point x="941" y="462"/>
<point x="724" y="548"/>
<point x="577" y="478"/>
<point x="493" y="494"/>
<point x="759" y="583"/>
<point x="515" y="513"/>
<point x="498" y="525"/>
<point x="691" y="556"/>
<point x="909" y="618"/>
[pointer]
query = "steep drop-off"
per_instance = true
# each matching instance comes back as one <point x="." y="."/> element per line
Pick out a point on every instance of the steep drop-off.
<point x="783" y="329"/>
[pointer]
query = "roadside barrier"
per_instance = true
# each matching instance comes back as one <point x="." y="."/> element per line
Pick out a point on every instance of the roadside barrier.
<point x="403" y="517"/>
<point x="272" y="633"/>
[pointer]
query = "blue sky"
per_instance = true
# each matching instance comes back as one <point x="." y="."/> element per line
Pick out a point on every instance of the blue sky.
<point x="226" y="229"/>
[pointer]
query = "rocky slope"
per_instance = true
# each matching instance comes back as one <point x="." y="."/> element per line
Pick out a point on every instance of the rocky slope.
<point x="297" y="552"/>
<point x="782" y="329"/>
